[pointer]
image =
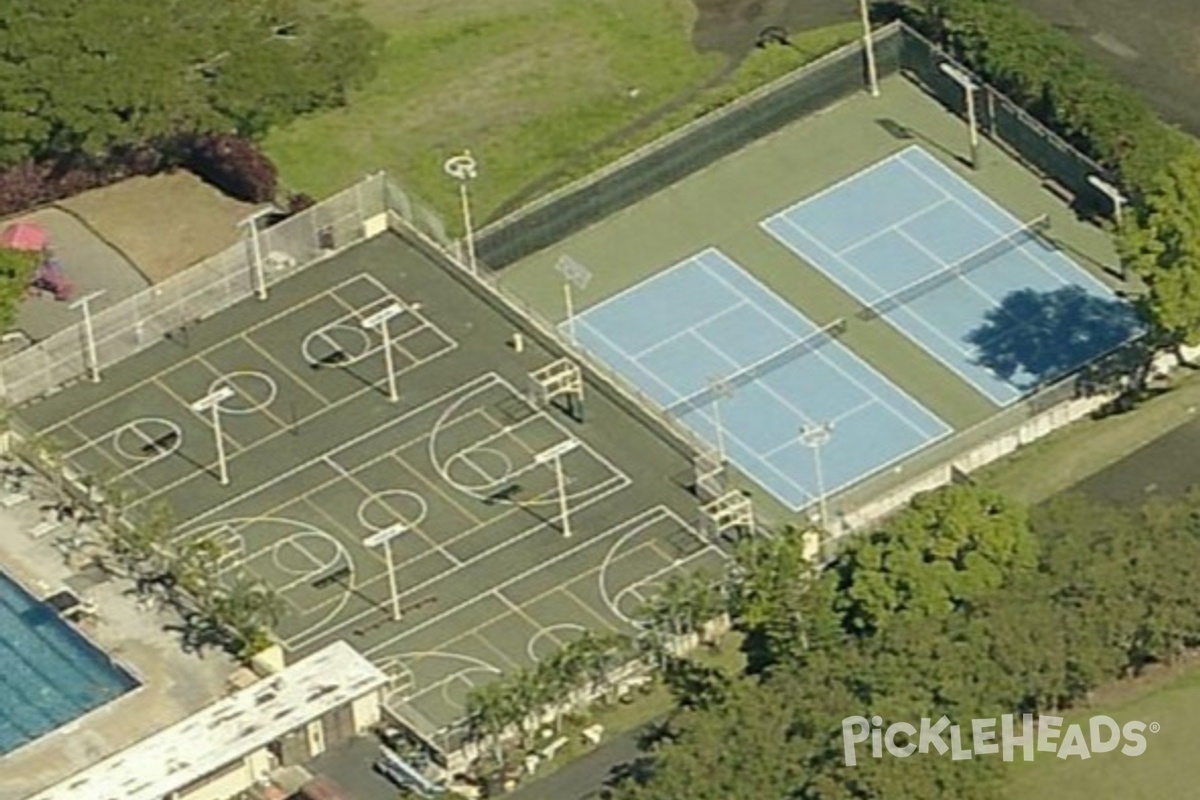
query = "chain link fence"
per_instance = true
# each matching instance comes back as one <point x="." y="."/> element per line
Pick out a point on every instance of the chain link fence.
<point x="1007" y="124"/>
<point x="671" y="158"/>
<point x="144" y="319"/>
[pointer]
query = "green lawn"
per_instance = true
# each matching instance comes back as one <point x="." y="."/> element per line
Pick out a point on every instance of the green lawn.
<point x="1164" y="770"/>
<point x="530" y="86"/>
<point x="1054" y="464"/>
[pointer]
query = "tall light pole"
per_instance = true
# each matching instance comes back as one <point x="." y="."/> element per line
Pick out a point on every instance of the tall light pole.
<point x="574" y="275"/>
<point x="84" y="304"/>
<point x="212" y="403"/>
<point x="553" y="455"/>
<point x="384" y="538"/>
<point x="968" y="87"/>
<point x="464" y="169"/>
<point x="260" y="280"/>
<point x="817" y="436"/>
<point x="379" y="322"/>
<point x="869" y="48"/>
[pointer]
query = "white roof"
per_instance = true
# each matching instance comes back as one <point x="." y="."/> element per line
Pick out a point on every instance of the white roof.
<point x="227" y="730"/>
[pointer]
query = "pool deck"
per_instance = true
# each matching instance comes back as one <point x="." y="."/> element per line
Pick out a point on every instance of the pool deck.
<point x="174" y="683"/>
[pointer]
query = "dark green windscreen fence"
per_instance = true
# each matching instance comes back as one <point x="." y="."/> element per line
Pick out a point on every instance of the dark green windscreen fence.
<point x="810" y="89"/>
<point x="1008" y="125"/>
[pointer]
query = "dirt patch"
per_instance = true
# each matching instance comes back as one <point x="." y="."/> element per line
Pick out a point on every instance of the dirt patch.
<point x="162" y="224"/>
<point x="732" y="26"/>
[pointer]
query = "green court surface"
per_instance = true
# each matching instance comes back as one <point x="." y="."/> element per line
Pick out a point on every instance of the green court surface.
<point x="319" y="459"/>
<point x="722" y="205"/>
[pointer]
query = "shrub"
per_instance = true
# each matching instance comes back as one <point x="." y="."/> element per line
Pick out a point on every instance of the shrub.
<point x="234" y="165"/>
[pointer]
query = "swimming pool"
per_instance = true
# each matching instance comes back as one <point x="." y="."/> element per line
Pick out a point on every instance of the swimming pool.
<point x="49" y="674"/>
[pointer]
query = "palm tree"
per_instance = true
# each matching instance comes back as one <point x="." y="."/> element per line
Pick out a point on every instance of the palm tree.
<point x="599" y="654"/>
<point x="491" y="710"/>
<point x="561" y="676"/>
<point x="531" y="692"/>
<point x="248" y="608"/>
<point x="196" y="563"/>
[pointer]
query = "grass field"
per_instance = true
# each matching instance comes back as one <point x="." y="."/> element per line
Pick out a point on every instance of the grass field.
<point x="1164" y="770"/>
<point x="538" y="89"/>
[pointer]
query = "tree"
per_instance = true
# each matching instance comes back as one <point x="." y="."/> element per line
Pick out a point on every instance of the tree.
<point x="149" y="72"/>
<point x="1161" y="244"/>
<point x="17" y="268"/>
<point x="491" y="710"/>
<point x="561" y="676"/>
<point x="949" y="547"/>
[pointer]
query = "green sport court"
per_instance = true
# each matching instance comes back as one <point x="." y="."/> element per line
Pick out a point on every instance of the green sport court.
<point x="319" y="459"/>
<point x="850" y="274"/>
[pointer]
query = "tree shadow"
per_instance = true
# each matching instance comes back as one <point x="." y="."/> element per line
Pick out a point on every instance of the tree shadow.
<point x="1033" y="338"/>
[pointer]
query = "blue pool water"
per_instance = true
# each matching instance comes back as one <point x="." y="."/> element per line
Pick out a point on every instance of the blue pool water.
<point x="49" y="674"/>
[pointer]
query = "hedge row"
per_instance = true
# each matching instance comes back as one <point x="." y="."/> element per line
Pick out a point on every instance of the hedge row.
<point x="233" y="164"/>
<point x="1048" y="73"/>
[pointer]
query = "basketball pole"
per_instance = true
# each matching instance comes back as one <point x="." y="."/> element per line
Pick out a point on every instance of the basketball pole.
<point x="968" y="87"/>
<point x="552" y="456"/>
<point x="379" y="322"/>
<point x="260" y="280"/>
<point x="570" y="304"/>
<point x="84" y="305"/>
<point x="383" y="539"/>
<point x="212" y="403"/>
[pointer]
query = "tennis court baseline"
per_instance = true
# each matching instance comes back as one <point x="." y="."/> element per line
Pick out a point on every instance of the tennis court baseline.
<point x="948" y="267"/>
<point x="746" y="371"/>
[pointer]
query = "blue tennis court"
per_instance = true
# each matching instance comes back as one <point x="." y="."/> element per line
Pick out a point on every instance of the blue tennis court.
<point x="979" y="290"/>
<point x="706" y="318"/>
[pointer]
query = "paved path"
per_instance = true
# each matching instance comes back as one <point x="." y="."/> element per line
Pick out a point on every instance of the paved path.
<point x="585" y="778"/>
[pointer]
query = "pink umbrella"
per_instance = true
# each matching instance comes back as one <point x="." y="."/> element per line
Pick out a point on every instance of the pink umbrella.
<point x="24" y="236"/>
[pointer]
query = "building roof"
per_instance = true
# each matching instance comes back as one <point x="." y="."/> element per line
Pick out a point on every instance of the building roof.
<point x="227" y="730"/>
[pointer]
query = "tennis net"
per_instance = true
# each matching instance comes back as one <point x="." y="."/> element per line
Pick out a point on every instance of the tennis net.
<point x="1027" y="233"/>
<point x="785" y="355"/>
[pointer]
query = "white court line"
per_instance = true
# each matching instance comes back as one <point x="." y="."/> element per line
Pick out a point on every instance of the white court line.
<point x="832" y="364"/>
<point x="657" y="276"/>
<point x="660" y="510"/>
<point x="649" y="373"/>
<point x="890" y="318"/>
<point x="393" y="341"/>
<point x="538" y="528"/>
<point x="729" y="435"/>
<point x="264" y="409"/>
<point x="971" y="287"/>
<point x="694" y="328"/>
<point x="1076" y="269"/>
<point x="100" y="445"/>
<point x="306" y="419"/>
<point x="362" y="437"/>
<point x="366" y="490"/>
<point x="837" y="422"/>
<point x="895" y="227"/>
<point x="833" y="187"/>
<point x="611" y="555"/>
<point x="279" y="365"/>
<point x="127" y="389"/>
